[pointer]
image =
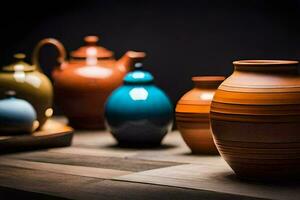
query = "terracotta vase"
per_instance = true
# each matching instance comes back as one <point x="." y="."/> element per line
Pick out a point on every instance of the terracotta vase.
<point x="30" y="84"/>
<point x="83" y="83"/>
<point x="255" y="119"/>
<point x="192" y="114"/>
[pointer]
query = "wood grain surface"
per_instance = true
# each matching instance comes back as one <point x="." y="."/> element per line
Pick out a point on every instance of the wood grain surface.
<point x="95" y="168"/>
<point x="53" y="134"/>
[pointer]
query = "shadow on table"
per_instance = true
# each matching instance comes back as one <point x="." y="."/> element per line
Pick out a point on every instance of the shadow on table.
<point x="200" y="154"/>
<point x="279" y="183"/>
<point x="143" y="147"/>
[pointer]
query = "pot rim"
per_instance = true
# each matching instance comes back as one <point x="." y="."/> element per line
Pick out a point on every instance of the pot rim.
<point x="208" y="78"/>
<point x="264" y="62"/>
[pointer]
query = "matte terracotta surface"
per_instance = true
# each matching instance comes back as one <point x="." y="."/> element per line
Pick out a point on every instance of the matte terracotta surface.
<point x="255" y="119"/>
<point x="192" y="114"/>
<point x="83" y="83"/>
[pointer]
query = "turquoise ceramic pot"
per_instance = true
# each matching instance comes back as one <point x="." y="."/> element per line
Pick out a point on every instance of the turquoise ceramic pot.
<point x="138" y="113"/>
<point x="16" y="115"/>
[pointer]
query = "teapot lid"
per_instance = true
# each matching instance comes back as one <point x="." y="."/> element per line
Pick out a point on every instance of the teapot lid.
<point x="138" y="76"/>
<point x="18" y="65"/>
<point x="91" y="48"/>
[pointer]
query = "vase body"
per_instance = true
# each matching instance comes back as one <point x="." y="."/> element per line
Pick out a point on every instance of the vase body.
<point x="17" y="116"/>
<point x="29" y="84"/>
<point x="83" y="83"/>
<point x="138" y="113"/>
<point x="255" y="119"/>
<point x="192" y="114"/>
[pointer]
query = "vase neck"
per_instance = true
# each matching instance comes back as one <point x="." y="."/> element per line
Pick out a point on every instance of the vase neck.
<point x="207" y="81"/>
<point x="267" y="66"/>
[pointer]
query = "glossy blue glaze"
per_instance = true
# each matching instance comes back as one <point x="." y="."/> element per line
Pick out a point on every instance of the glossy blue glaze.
<point x="16" y="116"/>
<point x="138" y="113"/>
<point x="138" y="77"/>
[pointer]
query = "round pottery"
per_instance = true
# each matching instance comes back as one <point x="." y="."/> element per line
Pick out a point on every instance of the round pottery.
<point x="17" y="116"/>
<point x="83" y="83"/>
<point x="192" y="114"/>
<point x="138" y="114"/>
<point x="30" y="84"/>
<point x="255" y="119"/>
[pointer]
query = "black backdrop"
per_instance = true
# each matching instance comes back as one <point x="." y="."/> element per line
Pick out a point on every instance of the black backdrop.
<point x="181" y="38"/>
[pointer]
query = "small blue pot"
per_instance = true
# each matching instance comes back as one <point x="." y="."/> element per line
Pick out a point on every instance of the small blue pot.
<point x="17" y="116"/>
<point x="138" y="113"/>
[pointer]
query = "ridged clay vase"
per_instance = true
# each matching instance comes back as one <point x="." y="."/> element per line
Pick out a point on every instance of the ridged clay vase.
<point x="192" y="114"/>
<point x="255" y="119"/>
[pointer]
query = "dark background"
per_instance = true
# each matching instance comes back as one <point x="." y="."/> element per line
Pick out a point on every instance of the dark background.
<point x="182" y="38"/>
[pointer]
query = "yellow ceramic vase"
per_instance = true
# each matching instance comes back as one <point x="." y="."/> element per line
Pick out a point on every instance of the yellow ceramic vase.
<point x="30" y="84"/>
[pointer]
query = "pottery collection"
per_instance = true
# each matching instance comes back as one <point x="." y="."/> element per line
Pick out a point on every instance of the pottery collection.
<point x="17" y="116"/>
<point x="138" y="113"/>
<point x="252" y="118"/>
<point x="255" y="119"/>
<point x="192" y="114"/>
<point x="83" y="83"/>
<point x="30" y="84"/>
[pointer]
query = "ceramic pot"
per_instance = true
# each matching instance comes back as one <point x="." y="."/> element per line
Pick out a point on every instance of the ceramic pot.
<point x="255" y="119"/>
<point x="192" y="114"/>
<point x="138" y="113"/>
<point x="17" y="116"/>
<point x="83" y="83"/>
<point x="30" y="84"/>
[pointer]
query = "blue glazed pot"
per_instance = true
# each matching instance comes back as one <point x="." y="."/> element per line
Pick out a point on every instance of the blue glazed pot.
<point x="138" y="113"/>
<point x="17" y="116"/>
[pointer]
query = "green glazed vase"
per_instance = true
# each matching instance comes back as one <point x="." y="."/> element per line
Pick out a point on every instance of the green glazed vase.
<point x="30" y="84"/>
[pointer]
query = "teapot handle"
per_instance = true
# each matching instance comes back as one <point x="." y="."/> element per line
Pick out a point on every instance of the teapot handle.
<point x="48" y="41"/>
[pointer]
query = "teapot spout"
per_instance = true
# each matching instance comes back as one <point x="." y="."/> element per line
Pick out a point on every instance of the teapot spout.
<point x="127" y="61"/>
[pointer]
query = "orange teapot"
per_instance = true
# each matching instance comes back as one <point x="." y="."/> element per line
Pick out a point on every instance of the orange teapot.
<point x="83" y="83"/>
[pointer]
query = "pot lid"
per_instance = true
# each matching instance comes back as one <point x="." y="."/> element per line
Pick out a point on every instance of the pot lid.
<point x="10" y="94"/>
<point x="138" y="75"/>
<point x="18" y="65"/>
<point x="91" y="48"/>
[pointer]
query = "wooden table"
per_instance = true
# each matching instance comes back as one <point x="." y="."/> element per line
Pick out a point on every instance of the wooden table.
<point x="95" y="168"/>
